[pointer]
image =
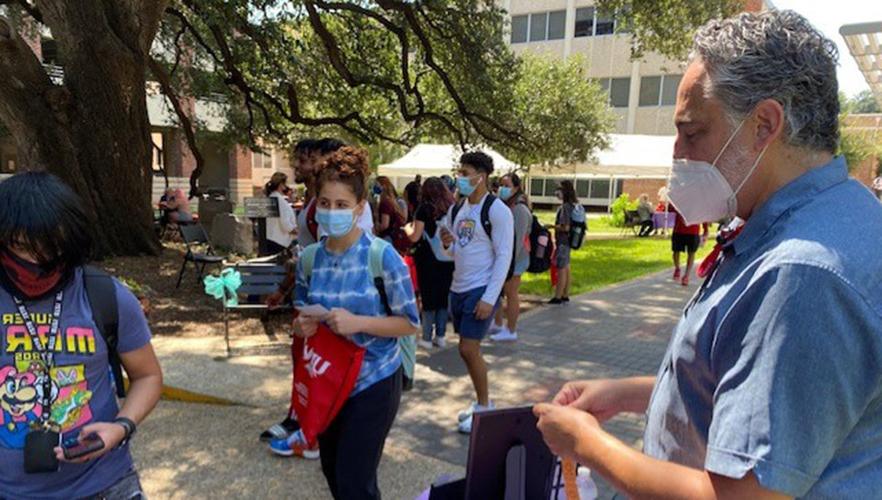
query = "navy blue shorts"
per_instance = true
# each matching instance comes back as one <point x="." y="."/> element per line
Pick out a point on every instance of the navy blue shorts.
<point x="462" y="311"/>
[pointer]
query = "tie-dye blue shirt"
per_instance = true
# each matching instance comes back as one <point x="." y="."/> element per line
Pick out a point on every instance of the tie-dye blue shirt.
<point x="344" y="280"/>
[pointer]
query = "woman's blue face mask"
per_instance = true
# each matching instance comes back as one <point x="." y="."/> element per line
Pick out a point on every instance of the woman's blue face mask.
<point x="336" y="222"/>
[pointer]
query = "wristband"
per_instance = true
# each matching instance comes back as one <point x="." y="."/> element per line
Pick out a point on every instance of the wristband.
<point x="129" y="426"/>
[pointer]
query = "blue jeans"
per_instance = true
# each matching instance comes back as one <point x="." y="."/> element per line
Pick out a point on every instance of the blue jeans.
<point x="436" y="318"/>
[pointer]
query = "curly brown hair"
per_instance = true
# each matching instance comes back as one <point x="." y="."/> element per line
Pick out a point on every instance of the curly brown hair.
<point x="348" y="165"/>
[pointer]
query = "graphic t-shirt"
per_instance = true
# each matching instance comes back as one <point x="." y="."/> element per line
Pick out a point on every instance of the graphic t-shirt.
<point x="479" y="260"/>
<point x="82" y="389"/>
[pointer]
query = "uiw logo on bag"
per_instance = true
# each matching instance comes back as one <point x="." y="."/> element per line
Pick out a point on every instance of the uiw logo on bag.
<point x="315" y="365"/>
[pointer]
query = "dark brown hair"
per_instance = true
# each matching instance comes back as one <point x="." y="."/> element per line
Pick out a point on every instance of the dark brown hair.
<point x="568" y="192"/>
<point x="435" y="194"/>
<point x="348" y="165"/>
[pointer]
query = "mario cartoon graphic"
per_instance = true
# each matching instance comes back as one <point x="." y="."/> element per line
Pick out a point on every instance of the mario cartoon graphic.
<point x="19" y="398"/>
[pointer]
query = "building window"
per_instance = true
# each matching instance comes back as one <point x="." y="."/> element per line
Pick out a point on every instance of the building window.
<point x="605" y="24"/>
<point x="600" y="188"/>
<point x="620" y="188"/>
<point x="550" y="188"/>
<point x="582" y="188"/>
<point x="538" y="26"/>
<point x="669" y="89"/>
<point x="619" y="91"/>
<point x="536" y="186"/>
<point x="557" y="24"/>
<point x="659" y="90"/>
<point x="49" y="49"/>
<point x="650" y="90"/>
<point x="584" y="22"/>
<point x="519" y="25"/>
<point x="262" y="159"/>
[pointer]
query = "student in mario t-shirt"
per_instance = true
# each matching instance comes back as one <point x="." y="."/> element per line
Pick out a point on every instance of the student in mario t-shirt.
<point x="45" y="240"/>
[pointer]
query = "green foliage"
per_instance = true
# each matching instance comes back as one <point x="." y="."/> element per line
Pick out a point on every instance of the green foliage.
<point x="862" y="102"/>
<point x="602" y="263"/>
<point x="665" y="26"/>
<point x="856" y="147"/>
<point x="563" y="114"/>
<point x="395" y="72"/>
<point x="622" y="204"/>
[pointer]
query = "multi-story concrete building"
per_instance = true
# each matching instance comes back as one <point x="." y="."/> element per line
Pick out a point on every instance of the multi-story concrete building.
<point x="642" y="92"/>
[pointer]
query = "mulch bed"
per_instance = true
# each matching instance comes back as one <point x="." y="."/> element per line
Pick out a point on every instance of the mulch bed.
<point x="187" y="311"/>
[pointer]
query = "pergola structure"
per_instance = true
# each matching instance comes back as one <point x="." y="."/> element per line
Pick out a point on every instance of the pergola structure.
<point x="864" y="41"/>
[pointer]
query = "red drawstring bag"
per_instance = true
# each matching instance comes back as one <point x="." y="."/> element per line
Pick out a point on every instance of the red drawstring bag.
<point x="554" y="268"/>
<point x="410" y="262"/>
<point x="325" y="373"/>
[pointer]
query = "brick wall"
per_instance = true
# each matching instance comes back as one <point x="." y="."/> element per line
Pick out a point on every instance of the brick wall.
<point x="636" y="187"/>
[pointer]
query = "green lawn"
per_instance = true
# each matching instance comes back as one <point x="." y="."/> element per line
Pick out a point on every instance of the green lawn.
<point x="604" y="262"/>
<point x="595" y="224"/>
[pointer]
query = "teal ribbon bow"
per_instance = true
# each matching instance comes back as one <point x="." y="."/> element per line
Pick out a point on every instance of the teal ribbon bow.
<point x="225" y="286"/>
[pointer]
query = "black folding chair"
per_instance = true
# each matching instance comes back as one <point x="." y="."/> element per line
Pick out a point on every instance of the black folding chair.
<point x="258" y="279"/>
<point x="632" y="222"/>
<point x="194" y="235"/>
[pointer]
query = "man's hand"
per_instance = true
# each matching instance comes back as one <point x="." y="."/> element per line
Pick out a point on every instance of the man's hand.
<point x="565" y="429"/>
<point x="343" y="322"/>
<point x="305" y="326"/>
<point x="597" y="397"/>
<point x="483" y="310"/>
<point x="110" y="433"/>
<point x="274" y="299"/>
<point x="446" y="237"/>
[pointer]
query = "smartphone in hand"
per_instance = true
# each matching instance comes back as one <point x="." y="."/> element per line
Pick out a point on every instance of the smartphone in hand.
<point x="77" y="449"/>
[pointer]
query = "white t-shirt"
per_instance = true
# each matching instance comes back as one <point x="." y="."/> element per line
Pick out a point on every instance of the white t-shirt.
<point x="479" y="260"/>
<point x="278" y="229"/>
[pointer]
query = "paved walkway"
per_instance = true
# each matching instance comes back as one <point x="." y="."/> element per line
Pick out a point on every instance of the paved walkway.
<point x="195" y="450"/>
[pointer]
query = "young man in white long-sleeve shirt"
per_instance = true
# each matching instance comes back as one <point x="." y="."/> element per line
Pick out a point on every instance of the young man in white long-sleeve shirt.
<point x="482" y="260"/>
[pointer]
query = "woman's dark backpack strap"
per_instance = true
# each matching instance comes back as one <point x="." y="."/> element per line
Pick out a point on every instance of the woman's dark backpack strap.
<point x="101" y="292"/>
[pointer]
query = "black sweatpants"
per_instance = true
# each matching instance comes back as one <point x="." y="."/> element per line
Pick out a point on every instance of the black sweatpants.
<point x="352" y="445"/>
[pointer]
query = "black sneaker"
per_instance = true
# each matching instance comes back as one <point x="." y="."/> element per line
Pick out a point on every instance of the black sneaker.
<point x="555" y="301"/>
<point x="565" y="300"/>
<point x="281" y="430"/>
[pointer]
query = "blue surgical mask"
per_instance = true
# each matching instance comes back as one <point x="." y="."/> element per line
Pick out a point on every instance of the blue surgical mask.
<point x="378" y="190"/>
<point x="337" y="223"/>
<point x="505" y="192"/>
<point x="464" y="184"/>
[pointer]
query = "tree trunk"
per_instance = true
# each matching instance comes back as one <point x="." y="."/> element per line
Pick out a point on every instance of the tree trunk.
<point x="93" y="131"/>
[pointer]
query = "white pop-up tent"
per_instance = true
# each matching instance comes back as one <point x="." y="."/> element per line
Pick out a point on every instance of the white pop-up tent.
<point x="435" y="160"/>
<point x="600" y="180"/>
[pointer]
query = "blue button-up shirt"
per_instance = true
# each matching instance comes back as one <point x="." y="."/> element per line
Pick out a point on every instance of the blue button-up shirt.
<point x="776" y="364"/>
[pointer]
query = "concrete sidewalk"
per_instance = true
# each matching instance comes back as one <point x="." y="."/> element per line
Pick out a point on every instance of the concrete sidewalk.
<point x="196" y="450"/>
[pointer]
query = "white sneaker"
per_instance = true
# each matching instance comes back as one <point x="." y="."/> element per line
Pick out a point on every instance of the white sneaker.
<point x="467" y="413"/>
<point x="505" y="335"/>
<point x="440" y="342"/>
<point x="494" y="328"/>
<point x="465" y="426"/>
<point x="425" y="344"/>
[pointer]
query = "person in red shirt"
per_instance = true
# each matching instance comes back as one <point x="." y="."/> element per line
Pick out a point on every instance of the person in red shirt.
<point x="686" y="239"/>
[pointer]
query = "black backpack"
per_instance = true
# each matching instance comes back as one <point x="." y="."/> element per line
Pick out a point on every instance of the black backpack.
<point x="541" y="248"/>
<point x="101" y="293"/>
<point x="487" y="225"/>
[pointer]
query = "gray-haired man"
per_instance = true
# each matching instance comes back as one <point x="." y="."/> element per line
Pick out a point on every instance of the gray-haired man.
<point x="772" y="383"/>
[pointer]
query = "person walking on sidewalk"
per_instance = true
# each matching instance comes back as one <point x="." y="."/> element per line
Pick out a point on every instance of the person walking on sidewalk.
<point x="434" y="269"/>
<point x="341" y="281"/>
<point x="770" y="387"/>
<point x="511" y="192"/>
<point x="480" y="238"/>
<point x="686" y="238"/>
<point x="566" y="193"/>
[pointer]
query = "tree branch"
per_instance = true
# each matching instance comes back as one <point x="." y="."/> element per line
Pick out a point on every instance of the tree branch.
<point x="186" y="123"/>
